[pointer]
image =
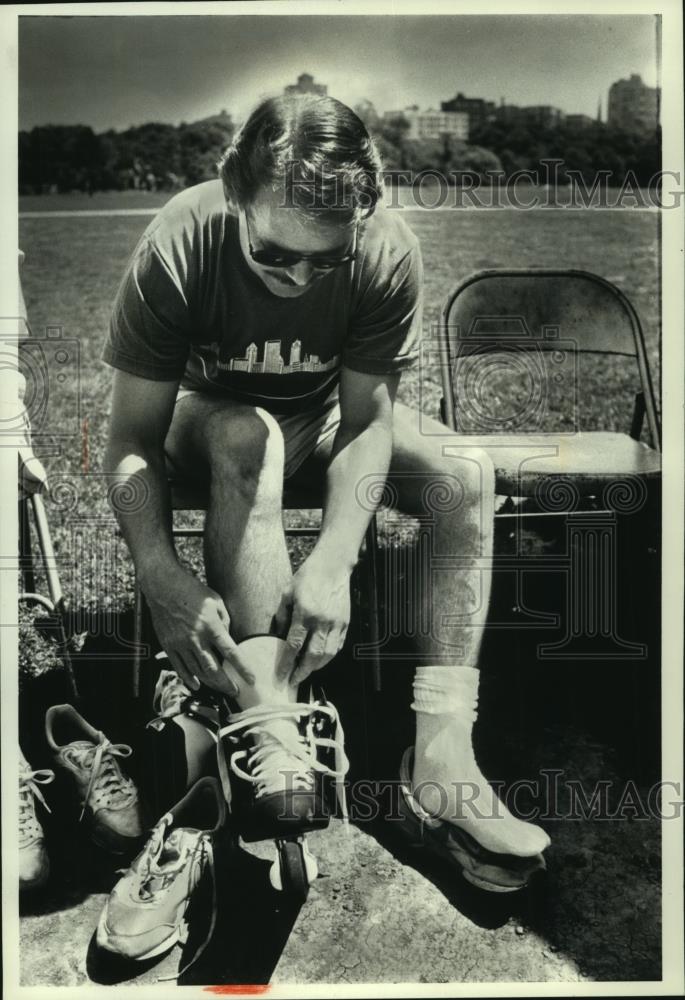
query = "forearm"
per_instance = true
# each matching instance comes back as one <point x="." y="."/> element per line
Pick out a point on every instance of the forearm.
<point x="357" y="454"/>
<point x="142" y="506"/>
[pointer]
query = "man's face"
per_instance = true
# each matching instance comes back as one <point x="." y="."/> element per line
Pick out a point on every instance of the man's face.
<point x="273" y="226"/>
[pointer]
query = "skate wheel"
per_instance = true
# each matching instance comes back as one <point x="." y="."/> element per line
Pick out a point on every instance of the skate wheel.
<point x="310" y="863"/>
<point x="275" y="876"/>
<point x="294" y="870"/>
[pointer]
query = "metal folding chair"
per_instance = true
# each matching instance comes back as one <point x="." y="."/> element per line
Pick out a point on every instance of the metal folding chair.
<point x="33" y="525"/>
<point x="536" y="320"/>
<point x="545" y="325"/>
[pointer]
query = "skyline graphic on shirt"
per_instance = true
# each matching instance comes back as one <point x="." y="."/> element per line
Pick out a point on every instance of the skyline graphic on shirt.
<point x="272" y="361"/>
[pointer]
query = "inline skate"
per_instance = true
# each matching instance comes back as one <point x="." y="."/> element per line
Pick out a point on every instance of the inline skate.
<point x="276" y="763"/>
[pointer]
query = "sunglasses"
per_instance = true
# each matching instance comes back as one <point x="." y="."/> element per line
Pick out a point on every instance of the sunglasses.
<point x="287" y="258"/>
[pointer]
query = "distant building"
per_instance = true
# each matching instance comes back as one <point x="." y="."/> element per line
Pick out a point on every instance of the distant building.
<point x="402" y="113"/>
<point x="510" y="114"/>
<point x="433" y="124"/>
<point x="479" y="110"/>
<point x="580" y="121"/>
<point x="633" y="105"/>
<point x="305" y="85"/>
<point x="542" y="115"/>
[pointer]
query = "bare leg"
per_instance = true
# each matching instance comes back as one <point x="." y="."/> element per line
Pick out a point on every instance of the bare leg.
<point x="452" y="493"/>
<point x="240" y="451"/>
<point x="456" y="486"/>
<point x="450" y="488"/>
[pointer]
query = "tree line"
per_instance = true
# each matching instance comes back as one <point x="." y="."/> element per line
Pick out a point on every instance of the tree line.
<point x="158" y="156"/>
<point x="151" y="157"/>
<point x="496" y="148"/>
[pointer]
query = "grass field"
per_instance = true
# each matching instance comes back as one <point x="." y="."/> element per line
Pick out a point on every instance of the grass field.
<point x="603" y="904"/>
<point x="73" y="266"/>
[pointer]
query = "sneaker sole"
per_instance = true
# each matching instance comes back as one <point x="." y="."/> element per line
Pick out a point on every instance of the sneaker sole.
<point x="106" y="941"/>
<point x="460" y="853"/>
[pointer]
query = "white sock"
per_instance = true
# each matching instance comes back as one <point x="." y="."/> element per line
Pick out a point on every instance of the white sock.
<point x="447" y="780"/>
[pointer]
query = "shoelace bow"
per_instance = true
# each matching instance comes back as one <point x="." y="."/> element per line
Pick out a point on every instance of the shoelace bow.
<point x="105" y="774"/>
<point x="29" y="782"/>
<point x="270" y="758"/>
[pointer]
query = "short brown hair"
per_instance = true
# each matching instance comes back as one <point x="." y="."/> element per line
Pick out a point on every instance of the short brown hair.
<point x="316" y="150"/>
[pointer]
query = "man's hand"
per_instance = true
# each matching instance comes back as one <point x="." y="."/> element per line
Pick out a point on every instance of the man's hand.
<point x="191" y="622"/>
<point x="316" y="607"/>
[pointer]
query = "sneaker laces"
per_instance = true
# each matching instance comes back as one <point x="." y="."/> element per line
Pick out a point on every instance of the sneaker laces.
<point x="155" y="879"/>
<point x="29" y="782"/>
<point x="107" y="784"/>
<point x="271" y="757"/>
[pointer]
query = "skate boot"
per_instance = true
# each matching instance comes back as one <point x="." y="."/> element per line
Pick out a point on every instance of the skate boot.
<point x="274" y="761"/>
<point x="34" y="865"/>
<point x="179" y="743"/>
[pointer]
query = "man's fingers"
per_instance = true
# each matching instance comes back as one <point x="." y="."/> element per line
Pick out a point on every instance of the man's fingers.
<point x="242" y="669"/>
<point x="188" y="677"/>
<point x="209" y="663"/>
<point x="308" y="666"/>
<point x="334" y="642"/>
<point x="223" y="643"/>
<point x="214" y="676"/>
<point x="322" y="649"/>
<point x="222" y="611"/>
<point x="227" y="649"/>
<point x="298" y="632"/>
<point x="194" y="659"/>
<point x="313" y="657"/>
<point x="283" y="615"/>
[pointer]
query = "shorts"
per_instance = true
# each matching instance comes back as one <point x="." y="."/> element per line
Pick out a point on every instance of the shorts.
<point x="302" y="432"/>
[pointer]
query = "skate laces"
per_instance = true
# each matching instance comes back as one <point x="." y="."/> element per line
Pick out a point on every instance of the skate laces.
<point x="170" y="693"/>
<point x="29" y="782"/>
<point x="107" y="784"/>
<point x="271" y="757"/>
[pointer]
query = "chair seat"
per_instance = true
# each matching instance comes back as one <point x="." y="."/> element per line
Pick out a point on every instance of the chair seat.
<point x="591" y="459"/>
<point x="191" y="496"/>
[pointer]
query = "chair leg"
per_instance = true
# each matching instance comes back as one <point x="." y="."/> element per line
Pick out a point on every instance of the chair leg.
<point x="28" y="576"/>
<point x="47" y="552"/>
<point x="372" y="589"/>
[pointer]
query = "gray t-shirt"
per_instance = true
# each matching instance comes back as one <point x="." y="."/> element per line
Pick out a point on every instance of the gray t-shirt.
<point x="190" y="308"/>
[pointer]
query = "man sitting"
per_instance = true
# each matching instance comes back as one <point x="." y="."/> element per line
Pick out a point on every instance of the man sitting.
<point x="265" y="319"/>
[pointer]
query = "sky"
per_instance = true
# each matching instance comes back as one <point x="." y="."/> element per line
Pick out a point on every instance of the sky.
<point x="113" y="72"/>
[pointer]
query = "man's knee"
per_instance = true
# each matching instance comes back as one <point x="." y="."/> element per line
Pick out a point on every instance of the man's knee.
<point x="468" y="472"/>
<point x="245" y="448"/>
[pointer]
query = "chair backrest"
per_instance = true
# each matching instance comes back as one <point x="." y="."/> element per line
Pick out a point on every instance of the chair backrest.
<point x="534" y="309"/>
